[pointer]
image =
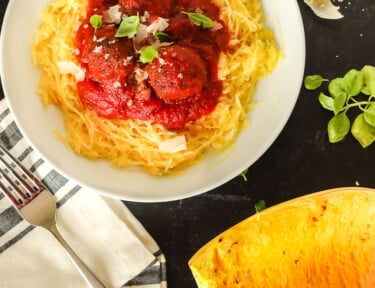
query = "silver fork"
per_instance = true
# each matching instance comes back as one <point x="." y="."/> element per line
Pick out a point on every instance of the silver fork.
<point x="36" y="205"/>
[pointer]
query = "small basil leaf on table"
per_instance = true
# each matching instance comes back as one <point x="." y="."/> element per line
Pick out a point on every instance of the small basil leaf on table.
<point x="313" y="82"/>
<point x="369" y="114"/>
<point x="368" y="73"/>
<point x="338" y="127"/>
<point x="339" y="103"/>
<point x="336" y="87"/>
<point x="362" y="131"/>
<point x="353" y="82"/>
<point x="260" y="206"/>
<point x="326" y="101"/>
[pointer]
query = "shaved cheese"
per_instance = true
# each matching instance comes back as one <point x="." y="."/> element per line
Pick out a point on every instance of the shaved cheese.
<point x="71" y="68"/>
<point x="160" y="24"/>
<point x="113" y="15"/>
<point x="158" y="44"/>
<point x="217" y="26"/>
<point x="145" y="16"/>
<point x="98" y="49"/>
<point x="324" y="9"/>
<point x="141" y="35"/>
<point x="173" y="145"/>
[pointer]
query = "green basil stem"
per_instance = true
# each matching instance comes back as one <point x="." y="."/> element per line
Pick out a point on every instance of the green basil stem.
<point x="356" y="104"/>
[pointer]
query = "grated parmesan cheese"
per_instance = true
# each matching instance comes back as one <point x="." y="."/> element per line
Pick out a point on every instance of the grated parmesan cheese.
<point x="173" y="145"/>
<point x="145" y="16"/>
<point x="98" y="49"/>
<point x="113" y="15"/>
<point x="116" y="84"/>
<point x="160" y="24"/>
<point x="71" y="68"/>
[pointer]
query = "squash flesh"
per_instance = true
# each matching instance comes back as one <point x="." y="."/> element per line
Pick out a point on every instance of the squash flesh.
<point x="324" y="239"/>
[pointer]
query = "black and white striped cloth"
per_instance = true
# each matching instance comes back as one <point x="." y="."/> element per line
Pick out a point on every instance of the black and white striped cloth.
<point x="28" y="256"/>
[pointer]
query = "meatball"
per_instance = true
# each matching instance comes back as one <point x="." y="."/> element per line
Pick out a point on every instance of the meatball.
<point x="106" y="57"/>
<point x="177" y="73"/>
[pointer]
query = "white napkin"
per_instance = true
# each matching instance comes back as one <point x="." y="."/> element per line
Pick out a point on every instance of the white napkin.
<point x="101" y="230"/>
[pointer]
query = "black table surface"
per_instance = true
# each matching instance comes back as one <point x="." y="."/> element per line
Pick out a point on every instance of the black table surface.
<point x="300" y="161"/>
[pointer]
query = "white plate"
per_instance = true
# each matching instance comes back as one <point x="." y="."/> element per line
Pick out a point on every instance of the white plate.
<point x="276" y="96"/>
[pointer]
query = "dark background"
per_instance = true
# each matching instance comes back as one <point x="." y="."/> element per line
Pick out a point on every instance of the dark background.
<point x="300" y="161"/>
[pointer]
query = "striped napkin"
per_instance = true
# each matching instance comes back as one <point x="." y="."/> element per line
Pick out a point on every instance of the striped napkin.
<point x="103" y="232"/>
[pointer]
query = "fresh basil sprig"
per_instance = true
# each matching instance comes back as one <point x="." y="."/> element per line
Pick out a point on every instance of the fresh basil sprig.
<point x="128" y="26"/>
<point x="200" y="19"/>
<point x="96" y="21"/>
<point x="355" y="89"/>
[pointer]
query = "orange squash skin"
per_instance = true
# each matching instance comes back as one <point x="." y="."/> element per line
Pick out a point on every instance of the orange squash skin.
<point x="325" y="239"/>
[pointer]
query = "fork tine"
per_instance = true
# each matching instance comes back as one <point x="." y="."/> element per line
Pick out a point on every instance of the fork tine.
<point x="9" y="191"/>
<point x="17" y="182"/>
<point x="13" y="186"/>
<point x="25" y="175"/>
<point x="23" y="170"/>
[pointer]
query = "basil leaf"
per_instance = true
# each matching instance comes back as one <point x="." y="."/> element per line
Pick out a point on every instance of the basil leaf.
<point x="326" y="101"/>
<point x="148" y="54"/>
<point x="336" y="87"/>
<point x="368" y="73"/>
<point x="162" y="36"/>
<point x="369" y="114"/>
<point x="199" y="19"/>
<point x="260" y="206"/>
<point x="96" y="21"/>
<point x="338" y="127"/>
<point x="353" y="82"/>
<point x="128" y="26"/>
<point x="362" y="131"/>
<point x="338" y="103"/>
<point x="312" y="82"/>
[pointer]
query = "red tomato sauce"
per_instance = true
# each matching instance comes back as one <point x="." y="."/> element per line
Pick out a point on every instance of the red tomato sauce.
<point x="178" y="86"/>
